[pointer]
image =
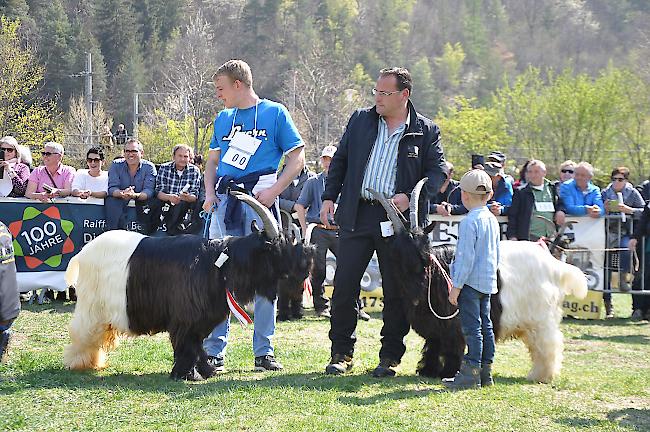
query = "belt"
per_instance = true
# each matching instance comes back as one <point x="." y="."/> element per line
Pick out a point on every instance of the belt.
<point x="330" y="228"/>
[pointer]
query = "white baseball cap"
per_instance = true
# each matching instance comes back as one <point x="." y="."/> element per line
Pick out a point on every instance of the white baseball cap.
<point x="328" y="151"/>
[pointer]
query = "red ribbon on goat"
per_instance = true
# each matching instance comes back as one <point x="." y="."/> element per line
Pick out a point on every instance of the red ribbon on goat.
<point x="237" y="310"/>
<point x="306" y="286"/>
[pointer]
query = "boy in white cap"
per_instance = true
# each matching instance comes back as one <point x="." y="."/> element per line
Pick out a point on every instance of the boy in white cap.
<point x="474" y="276"/>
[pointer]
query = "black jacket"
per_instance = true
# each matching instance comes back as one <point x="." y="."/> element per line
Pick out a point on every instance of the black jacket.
<point x="419" y="155"/>
<point x="521" y="211"/>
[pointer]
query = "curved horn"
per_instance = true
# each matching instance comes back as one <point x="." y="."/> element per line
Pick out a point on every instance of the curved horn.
<point x="270" y="224"/>
<point x="413" y="204"/>
<point x="398" y="225"/>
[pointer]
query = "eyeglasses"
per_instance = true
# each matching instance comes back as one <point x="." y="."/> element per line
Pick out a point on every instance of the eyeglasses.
<point x="384" y="93"/>
<point x="89" y="160"/>
<point x="619" y="179"/>
<point x="131" y="151"/>
<point x="567" y="171"/>
<point x="8" y="149"/>
<point x="48" y="153"/>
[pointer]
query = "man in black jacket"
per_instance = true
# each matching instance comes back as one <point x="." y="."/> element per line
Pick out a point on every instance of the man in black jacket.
<point x="389" y="148"/>
<point x="538" y="197"/>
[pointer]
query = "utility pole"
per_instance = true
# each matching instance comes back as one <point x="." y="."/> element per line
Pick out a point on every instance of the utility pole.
<point x="134" y="131"/>
<point x="89" y="99"/>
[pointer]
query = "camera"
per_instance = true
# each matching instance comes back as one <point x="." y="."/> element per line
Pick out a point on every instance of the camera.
<point x="47" y="188"/>
<point x="478" y="160"/>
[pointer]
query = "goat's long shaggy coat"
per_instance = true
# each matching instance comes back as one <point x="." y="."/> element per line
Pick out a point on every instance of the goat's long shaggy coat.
<point x="532" y="284"/>
<point x="131" y="284"/>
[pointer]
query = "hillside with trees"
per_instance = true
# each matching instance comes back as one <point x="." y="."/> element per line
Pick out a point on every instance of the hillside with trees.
<point x="553" y="79"/>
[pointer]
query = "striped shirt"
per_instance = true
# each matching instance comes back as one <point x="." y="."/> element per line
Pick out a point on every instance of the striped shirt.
<point x="382" y="165"/>
<point x="477" y="252"/>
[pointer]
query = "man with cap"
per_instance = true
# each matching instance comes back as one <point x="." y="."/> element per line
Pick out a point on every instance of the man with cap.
<point x="9" y="296"/>
<point x="502" y="198"/>
<point x="497" y="156"/>
<point x="324" y="237"/>
<point x="474" y="277"/>
<point x="389" y="148"/>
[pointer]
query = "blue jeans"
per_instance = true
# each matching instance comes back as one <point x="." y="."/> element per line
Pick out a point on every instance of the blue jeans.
<point x="476" y="326"/>
<point x="264" y="318"/>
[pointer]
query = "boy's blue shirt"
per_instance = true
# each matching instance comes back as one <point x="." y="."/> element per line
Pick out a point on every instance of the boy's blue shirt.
<point x="477" y="252"/>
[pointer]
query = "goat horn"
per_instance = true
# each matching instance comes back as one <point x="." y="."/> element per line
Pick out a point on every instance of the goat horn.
<point x="398" y="225"/>
<point x="270" y="224"/>
<point x="413" y="204"/>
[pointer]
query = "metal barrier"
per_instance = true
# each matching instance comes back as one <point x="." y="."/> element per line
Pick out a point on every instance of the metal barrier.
<point x="624" y="270"/>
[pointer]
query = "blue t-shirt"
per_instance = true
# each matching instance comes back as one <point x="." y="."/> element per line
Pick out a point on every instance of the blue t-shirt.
<point x="275" y="129"/>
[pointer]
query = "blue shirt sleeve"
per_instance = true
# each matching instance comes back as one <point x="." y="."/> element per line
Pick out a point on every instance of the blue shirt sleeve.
<point x="113" y="178"/>
<point x="598" y="200"/>
<point x="465" y="253"/>
<point x="149" y="179"/>
<point x="288" y="136"/>
<point x="569" y="200"/>
<point x="214" y="142"/>
<point x="305" y="198"/>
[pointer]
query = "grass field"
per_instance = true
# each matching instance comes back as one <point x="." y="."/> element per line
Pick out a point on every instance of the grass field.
<point x="605" y="385"/>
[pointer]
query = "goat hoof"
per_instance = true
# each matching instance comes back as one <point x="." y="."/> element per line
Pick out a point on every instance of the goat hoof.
<point x="191" y="375"/>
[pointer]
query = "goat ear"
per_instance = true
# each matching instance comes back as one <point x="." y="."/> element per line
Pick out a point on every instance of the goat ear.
<point x="429" y="228"/>
<point x="254" y="227"/>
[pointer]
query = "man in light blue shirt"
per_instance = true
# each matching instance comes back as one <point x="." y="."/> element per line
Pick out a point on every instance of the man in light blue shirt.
<point x="474" y="276"/>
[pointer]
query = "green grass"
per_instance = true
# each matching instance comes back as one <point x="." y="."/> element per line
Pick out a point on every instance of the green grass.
<point x="605" y="385"/>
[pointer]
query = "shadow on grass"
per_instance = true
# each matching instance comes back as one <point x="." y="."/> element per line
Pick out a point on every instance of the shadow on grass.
<point x="616" y="322"/>
<point x="53" y="378"/>
<point x="52" y="307"/>
<point x="580" y="422"/>
<point x="626" y="339"/>
<point x="56" y="378"/>
<point x="636" y="418"/>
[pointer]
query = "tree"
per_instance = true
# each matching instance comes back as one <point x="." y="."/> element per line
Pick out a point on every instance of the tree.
<point x="130" y="78"/>
<point x="30" y="119"/>
<point x="75" y="128"/>
<point x="450" y="64"/>
<point x="468" y="130"/>
<point x="116" y="30"/>
<point x="56" y="52"/>
<point x="189" y="75"/>
<point x="426" y="96"/>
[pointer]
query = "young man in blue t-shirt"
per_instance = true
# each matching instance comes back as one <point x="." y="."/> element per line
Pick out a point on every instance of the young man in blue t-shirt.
<point x="250" y="137"/>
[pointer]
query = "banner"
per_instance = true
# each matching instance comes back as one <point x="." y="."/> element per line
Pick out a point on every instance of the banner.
<point x="47" y="235"/>
<point x="585" y="252"/>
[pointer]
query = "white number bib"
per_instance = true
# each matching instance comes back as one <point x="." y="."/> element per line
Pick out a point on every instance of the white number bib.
<point x="242" y="147"/>
<point x="544" y="206"/>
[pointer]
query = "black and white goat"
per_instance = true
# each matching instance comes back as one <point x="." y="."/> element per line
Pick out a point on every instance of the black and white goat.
<point x="532" y="284"/>
<point x="131" y="284"/>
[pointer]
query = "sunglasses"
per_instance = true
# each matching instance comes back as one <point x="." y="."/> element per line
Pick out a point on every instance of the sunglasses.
<point x="89" y="160"/>
<point x="48" y="153"/>
<point x="131" y="151"/>
<point x="567" y="171"/>
<point x="8" y="149"/>
<point x="619" y="179"/>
